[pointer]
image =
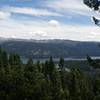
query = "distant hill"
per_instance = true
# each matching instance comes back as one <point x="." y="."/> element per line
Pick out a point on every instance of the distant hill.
<point x="47" y="48"/>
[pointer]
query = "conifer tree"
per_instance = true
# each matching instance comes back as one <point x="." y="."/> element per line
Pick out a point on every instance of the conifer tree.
<point x="4" y="59"/>
<point x="14" y="59"/>
<point x="61" y="63"/>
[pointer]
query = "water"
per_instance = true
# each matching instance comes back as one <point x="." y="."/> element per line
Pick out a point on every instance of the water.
<point x="57" y="59"/>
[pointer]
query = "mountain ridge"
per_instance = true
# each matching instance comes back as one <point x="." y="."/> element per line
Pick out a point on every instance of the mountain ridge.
<point x="55" y="48"/>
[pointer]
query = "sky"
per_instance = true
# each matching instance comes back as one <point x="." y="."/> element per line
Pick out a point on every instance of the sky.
<point x="48" y="19"/>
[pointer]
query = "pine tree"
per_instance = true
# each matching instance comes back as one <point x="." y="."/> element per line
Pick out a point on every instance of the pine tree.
<point x="39" y="66"/>
<point x="89" y="59"/>
<point x="1" y="61"/>
<point x="30" y="65"/>
<point x="14" y="59"/>
<point x="51" y="65"/>
<point x="4" y="59"/>
<point x="46" y="69"/>
<point x="61" y="63"/>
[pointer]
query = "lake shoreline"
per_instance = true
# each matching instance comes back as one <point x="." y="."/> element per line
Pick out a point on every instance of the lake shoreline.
<point x="57" y="59"/>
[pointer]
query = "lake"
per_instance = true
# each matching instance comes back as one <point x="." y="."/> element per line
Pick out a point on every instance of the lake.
<point x="57" y="59"/>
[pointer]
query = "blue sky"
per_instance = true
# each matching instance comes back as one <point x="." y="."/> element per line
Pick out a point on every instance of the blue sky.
<point x="47" y="19"/>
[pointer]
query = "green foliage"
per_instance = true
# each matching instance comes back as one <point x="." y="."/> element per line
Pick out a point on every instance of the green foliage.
<point x="44" y="81"/>
<point x="14" y="59"/>
<point x="93" y="63"/>
<point x="61" y="63"/>
<point x="3" y="58"/>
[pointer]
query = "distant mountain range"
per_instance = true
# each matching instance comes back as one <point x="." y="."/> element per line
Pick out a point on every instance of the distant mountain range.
<point x="47" y="48"/>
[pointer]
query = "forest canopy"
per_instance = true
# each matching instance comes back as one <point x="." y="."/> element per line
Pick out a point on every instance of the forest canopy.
<point x="44" y="81"/>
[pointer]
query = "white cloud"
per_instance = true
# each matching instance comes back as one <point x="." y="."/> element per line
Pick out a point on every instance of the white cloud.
<point x="53" y="23"/>
<point x="66" y="4"/>
<point x="51" y="29"/>
<point x="31" y="11"/>
<point x="38" y="34"/>
<point x="43" y="30"/>
<point x="71" y="6"/>
<point x="13" y="36"/>
<point x="4" y="15"/>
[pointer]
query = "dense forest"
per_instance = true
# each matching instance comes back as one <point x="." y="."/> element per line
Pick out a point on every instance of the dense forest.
<point x="44" y="80"/>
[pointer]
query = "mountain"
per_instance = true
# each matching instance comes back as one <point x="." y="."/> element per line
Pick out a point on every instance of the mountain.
<point x="47" y="48"/>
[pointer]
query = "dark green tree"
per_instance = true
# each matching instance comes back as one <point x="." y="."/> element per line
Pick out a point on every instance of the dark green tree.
<point x="14" y="59"/>
<point x="4" y="59"/>
<point x="61" y="63"/>
<point x="51" y="65"/>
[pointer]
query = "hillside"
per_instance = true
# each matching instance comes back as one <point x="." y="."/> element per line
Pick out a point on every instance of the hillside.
<point x="47" y="48"/>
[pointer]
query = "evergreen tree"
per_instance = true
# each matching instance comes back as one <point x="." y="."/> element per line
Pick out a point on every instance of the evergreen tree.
<point x="89" y="59"/>
<point x="39" y="66"/>
<point x="61" y="63"/>
<point x="14" y="59"/>
<point x="46" y="69"/>
<point x="51" y="65"/>
<point x="35" y="81"/>
<point x="1" y="62"/>
<point x="4" y="59"/>
<point x="30" y="65"/>
<point x="92" y="63"/>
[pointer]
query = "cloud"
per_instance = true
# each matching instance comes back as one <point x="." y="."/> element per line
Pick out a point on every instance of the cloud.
<point x="66" y="4"/>
<point x="4" y="15"/>
<point x="73" y="7"/>
<point x="53" y="23"/>
<point x="13" y="36"/>
<point x="38" y="34"/>
<point x="51" y="28"/>
<point x="31" y="11"/>
<point x="43" y="30"/>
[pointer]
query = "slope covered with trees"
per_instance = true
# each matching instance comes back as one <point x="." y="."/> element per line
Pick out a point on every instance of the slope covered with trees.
<point x="44" y="81"/>
<point x="54" y="48"/>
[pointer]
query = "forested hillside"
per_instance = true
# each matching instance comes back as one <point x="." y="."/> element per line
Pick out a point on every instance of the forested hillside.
<point x="54" y="48"/>
<point x="44" y="81"/>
